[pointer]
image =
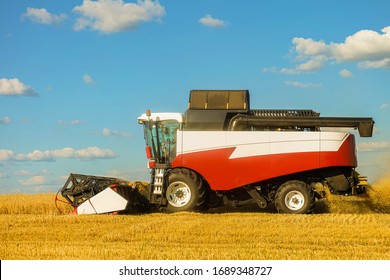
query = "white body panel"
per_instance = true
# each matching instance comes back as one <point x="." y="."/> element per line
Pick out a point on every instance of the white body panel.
<point x="258" y="143"/>
<point x="104" y="202"/>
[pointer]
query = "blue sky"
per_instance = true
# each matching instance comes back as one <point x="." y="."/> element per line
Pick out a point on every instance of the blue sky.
<point x="74" y="75"/>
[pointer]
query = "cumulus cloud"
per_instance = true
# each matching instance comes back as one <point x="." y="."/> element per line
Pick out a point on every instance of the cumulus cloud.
<point x="345" y="74"/>
<point x="367" y="47"/>
<point x="384" y="106"/>
<point x="89" y="153"/>
<point x="43" y="16"/>
<point x="373" y="146"/>
<point x="23" y="173"/>
<point x="110" y="16"/>
<point x="87" y="79"/>
<point x="14" y="87"/>
<point x="73" y="122"/>
<point x="301" y="85"/>
<point x="109" y="132"/>
<point x="384" y="63"/>
<point x="34" y="181"/>
<point x="208" y="20"/>
<point x="5" y="120"/>
<point x="311" y="65"/>
<point x="76" y="122"/>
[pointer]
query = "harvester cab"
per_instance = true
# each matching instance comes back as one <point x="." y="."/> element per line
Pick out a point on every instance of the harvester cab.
<point x="222" y="151"/>
<point x="160" y="132"/>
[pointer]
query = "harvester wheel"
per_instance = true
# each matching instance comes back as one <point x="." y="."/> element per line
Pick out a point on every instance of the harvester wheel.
<point x="294" y="197"/>
<point x="185" y="192"/>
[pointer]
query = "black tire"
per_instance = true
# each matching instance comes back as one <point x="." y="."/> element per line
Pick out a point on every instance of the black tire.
<point x="294" y="197"/>
<point x="185" y="192"/>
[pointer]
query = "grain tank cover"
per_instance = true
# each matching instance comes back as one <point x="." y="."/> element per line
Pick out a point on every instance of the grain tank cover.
<point x="219" y="100"/>
<point x="213" y="109"/>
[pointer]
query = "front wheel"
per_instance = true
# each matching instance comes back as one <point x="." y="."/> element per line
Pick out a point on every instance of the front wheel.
<point x="185" y="191"/>
<point x="294" y="197"/>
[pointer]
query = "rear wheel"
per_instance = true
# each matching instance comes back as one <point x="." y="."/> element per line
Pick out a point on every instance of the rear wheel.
<point x="294" y="197"/>
<point x="185" y="191"/>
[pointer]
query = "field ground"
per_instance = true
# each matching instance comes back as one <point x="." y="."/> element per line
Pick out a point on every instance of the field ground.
<point x="346" y="228"/>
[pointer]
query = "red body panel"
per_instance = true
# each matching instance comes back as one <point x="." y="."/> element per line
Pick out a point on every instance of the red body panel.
<point x="345" y="156"/>
<point x="224" y="173"/>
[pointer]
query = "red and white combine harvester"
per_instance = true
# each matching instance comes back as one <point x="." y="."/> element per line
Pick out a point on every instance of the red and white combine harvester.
<point x="222" y="151"/>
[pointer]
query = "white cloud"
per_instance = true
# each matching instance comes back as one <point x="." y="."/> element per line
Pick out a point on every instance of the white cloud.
<point x="110" y="16"/>
<point x="301" y="85"/>
<point x="89" y="153"/>
<point x="6" y="155"/>
<point x="62" y="123"/>
<point x="4" y="175"/>
<point x="384" y="63"/>
<point x="5" y="120"/>
<point x="42" y="16"/>
<point x="208" y="20"/>
<point x="367" y="47"/>
<point x="23" y="173"/>
<point x="87" y="79"/>
<point x="76" y="122"/>
<point x="345" y="74"/>
<point x="34" y="181"/>
<point x="109" y="132"/>
<point x="45" y="171"/>
<point x="289" y="71"/>
<point x="373" y="146"/>
<point x="106" y="132"/>
<point x="314" y="64"/>
<point x="384" y="106"/>
<point x="26" y="173"/>
<point x="73" y="122"/>
<point x="14" y="87"/>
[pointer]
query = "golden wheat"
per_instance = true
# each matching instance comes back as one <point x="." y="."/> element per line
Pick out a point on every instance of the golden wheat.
<point x="196" y="236"/>
<point x="32" y="204"/>
<point x="344" y="228"/>
<point x="379" y="194"/>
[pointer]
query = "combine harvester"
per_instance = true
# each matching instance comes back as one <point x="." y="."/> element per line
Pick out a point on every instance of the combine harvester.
<point x="222" y="151"/>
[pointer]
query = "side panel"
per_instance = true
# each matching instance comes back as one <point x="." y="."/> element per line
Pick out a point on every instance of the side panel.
<point x="338" y="149"/>
<point x="293" y="152"/>
<point x="104" y="202"/>
<point x="229" y="159"/>
<point x="249" y="161"/>
<point x="205" y="152"/>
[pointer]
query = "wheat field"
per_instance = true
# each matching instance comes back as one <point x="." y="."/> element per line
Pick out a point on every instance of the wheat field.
<point x="343" y="228"/>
